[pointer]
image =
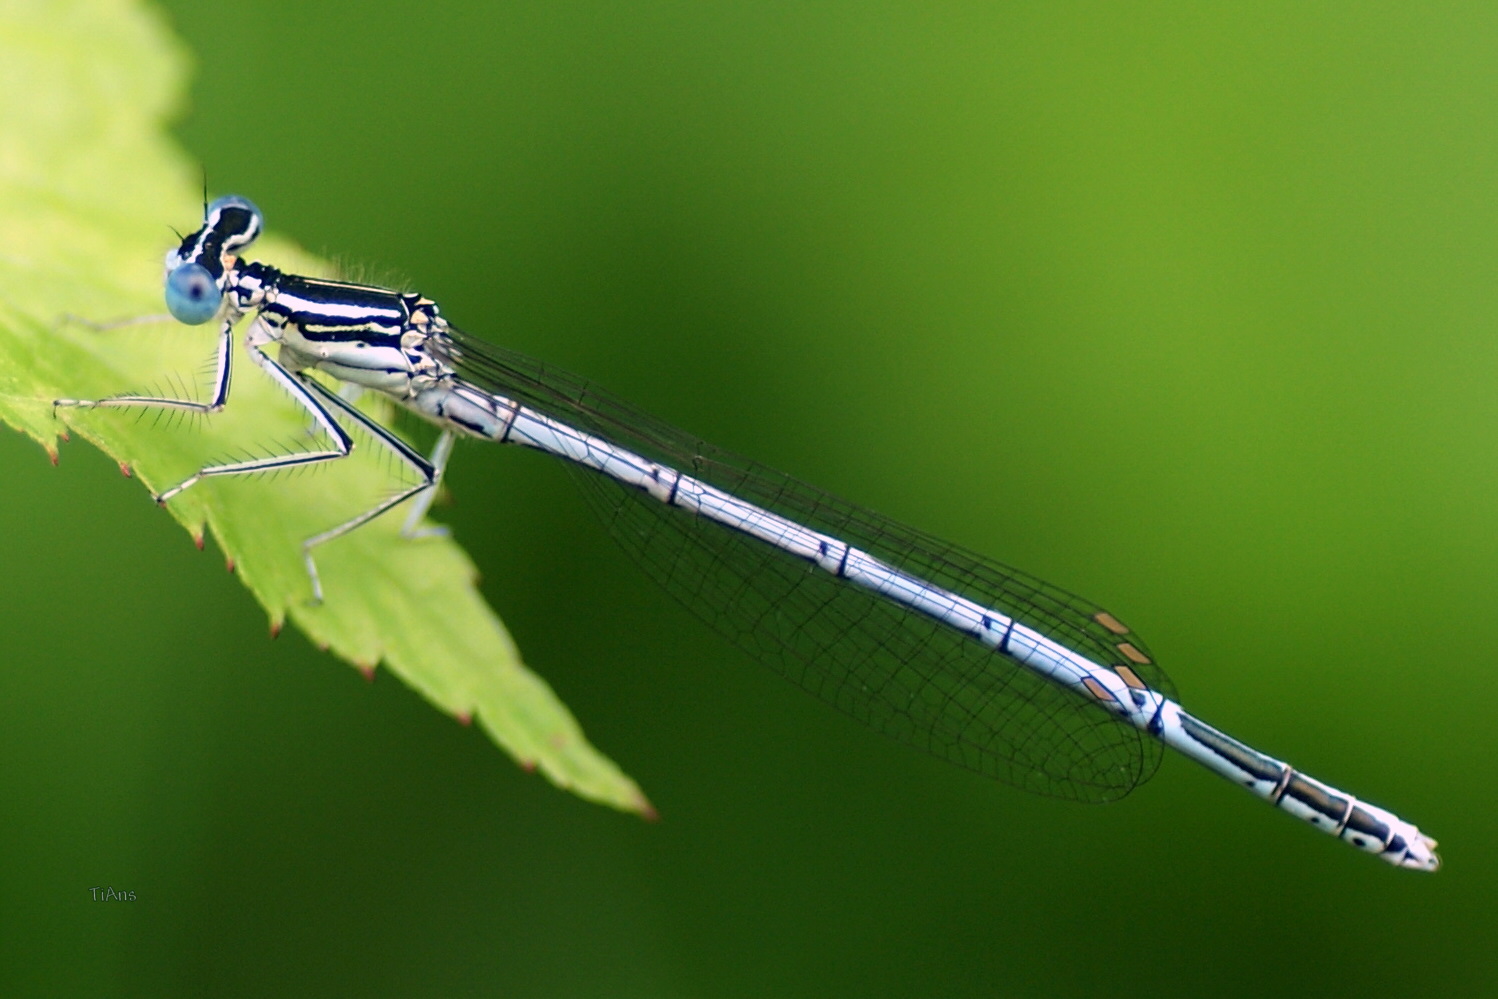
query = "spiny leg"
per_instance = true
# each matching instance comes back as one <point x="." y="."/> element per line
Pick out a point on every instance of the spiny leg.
<point x="213" y="405"/>
<point x="428" y="473"/>
<point x="348" y="392"/>
<point x="297" y="386"/>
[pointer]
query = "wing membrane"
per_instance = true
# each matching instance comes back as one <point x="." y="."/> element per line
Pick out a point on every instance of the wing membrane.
<point x="901" y="673"/>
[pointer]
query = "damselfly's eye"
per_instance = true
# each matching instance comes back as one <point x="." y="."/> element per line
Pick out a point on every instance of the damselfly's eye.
<point x="192" y="296"/>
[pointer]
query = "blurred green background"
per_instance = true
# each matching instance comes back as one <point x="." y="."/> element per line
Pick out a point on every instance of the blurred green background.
<point x="1186" y="309"/>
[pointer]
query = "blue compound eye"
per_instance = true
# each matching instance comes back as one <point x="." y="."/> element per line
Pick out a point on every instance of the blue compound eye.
<point x="192" y="296"/>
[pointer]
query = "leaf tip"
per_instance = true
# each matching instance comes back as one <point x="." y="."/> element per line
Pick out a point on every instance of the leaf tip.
<point x="198" y="539"/>
<point x="52" y="454"/>
<point x="528" y="765"/>
<point x="367" y="670"/>
<point x="229" y="563"/>
<point x="276" y="624"/>
<point x="465" y="718"/>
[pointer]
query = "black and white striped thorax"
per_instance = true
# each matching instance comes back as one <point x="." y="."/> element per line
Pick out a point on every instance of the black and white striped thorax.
<point x="368" y="336"/>
<point x="331" y="311"/>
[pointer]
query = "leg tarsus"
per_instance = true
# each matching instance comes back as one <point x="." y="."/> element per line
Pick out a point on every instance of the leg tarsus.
<point x="166" y="494"/>
<point x="69" y="319"/>
<point x="150" y="401"/>
<point x="311" y="565"/>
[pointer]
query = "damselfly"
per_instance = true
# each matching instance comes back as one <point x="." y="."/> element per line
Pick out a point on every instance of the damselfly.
<point x="936" y="646"/>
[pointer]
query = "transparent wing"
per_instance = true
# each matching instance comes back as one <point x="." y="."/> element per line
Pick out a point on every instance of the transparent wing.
<point x="898" y="671"/>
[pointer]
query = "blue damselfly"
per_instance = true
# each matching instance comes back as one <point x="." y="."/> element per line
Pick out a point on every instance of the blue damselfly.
<point x="988" y="667"/>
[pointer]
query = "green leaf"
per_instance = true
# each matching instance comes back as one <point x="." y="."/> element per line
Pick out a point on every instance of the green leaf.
<point x="88" y="184"/>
